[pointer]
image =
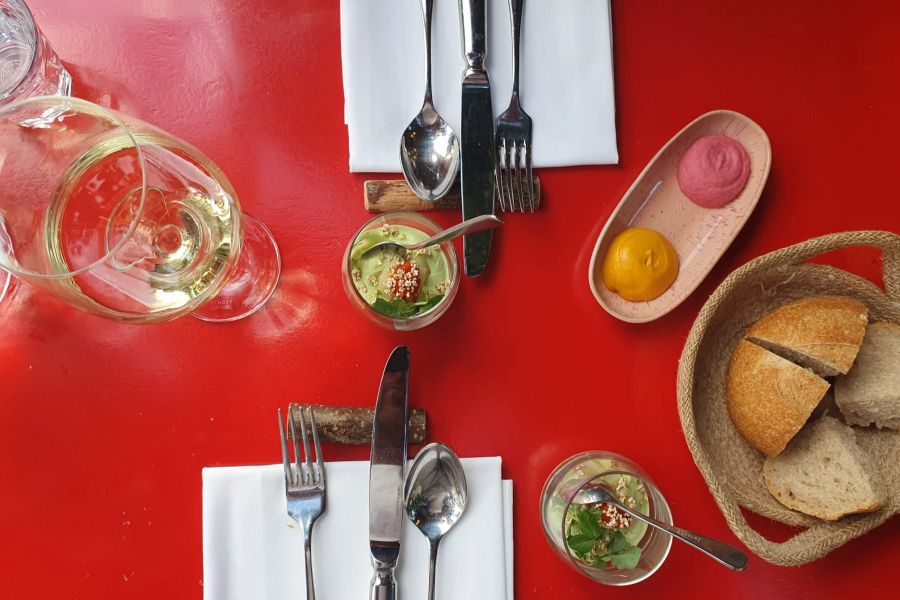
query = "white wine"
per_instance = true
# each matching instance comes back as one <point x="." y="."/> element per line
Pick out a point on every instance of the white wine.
<point x="143" y="256"/>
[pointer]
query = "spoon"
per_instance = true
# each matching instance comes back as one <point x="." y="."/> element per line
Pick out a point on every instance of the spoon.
<point x="479" y="223"/>
<point x="435" y="496"/>
<point x="429" y="149"/>
<point x="727" y="555"/>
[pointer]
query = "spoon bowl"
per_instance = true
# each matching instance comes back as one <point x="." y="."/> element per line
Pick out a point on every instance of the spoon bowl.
<point x="429" y="155"/>
<point x="435" y="496"/>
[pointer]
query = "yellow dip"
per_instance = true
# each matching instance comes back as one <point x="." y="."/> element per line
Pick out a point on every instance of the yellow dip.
<point x="640" y="264"/>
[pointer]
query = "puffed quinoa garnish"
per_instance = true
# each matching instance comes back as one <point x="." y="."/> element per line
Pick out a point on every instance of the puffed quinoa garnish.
<point x="613" y="518"/>
<point x="403" y="281"/>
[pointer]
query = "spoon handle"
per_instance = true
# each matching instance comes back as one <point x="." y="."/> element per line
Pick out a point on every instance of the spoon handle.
<point x="426" y="16"/>
<point x="479" y="223"/>
<point x="432" y="566"/>
<point x="724" y="553"/>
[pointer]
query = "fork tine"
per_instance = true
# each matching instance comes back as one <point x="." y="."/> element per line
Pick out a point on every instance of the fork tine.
<point x="498" y="181"/>
<point x="300" y="474"/>
<point x="529" y="179"/>
<point x="284" y="450"/>
<point x="320" y="465"/>
<point x="518" y="176"/>
<point x="510" y="196"/>
<point x="307" y="465"/>
<point x="501" y="167"/>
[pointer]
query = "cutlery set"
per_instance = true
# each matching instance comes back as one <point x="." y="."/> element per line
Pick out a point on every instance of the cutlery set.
<point x="494" y="163"/>
<point x="433" y="494"/>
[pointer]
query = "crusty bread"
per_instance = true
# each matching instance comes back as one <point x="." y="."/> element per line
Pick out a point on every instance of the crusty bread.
<point x="769" y="398"/>
<point x="822" y="333"/>
<point x="824" y="473"/>
<point x="870" y="392"/>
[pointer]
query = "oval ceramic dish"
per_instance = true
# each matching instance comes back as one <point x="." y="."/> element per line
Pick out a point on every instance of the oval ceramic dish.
<point x="700" y="235"/>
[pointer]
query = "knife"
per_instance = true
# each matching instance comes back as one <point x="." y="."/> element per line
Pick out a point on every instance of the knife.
<point x="386" y="473"/>
<point x="476" y="136"/>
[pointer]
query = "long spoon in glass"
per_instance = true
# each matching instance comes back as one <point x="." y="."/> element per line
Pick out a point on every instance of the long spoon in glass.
<point x="479" y="223"/>
<point x="724" y="553"/>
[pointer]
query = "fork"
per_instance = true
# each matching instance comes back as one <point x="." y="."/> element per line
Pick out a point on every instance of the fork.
<point x="513" y="137"/>
<point x="304" y="484"/>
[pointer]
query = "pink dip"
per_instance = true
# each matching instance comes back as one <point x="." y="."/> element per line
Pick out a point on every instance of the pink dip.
<point x="713" y="171"/>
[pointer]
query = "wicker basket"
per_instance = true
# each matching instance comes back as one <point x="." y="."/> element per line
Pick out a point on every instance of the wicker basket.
<point x="731" y="467"/>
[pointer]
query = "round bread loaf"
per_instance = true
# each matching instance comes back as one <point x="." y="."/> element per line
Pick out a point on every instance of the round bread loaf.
<point x="822" y="333"/>
<point x="769" y="398"/>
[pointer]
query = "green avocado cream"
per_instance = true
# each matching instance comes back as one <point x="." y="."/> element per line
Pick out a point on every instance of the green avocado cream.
<point x="394" y="282"/>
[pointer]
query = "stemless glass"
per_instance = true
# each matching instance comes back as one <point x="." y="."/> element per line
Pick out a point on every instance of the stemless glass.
<point x="122" y="219"/>
<point x="28" y="65"/>
<point x="592" y="468"/>
<point x="428" y="228"/>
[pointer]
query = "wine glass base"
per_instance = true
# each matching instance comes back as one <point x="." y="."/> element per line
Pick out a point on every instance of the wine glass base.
<point x="253" y="280"/>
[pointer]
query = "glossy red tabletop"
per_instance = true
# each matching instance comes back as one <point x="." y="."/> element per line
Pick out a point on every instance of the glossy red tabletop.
<point x="105" y="427"/>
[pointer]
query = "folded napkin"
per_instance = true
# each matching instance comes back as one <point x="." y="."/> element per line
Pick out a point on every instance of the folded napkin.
<point x="566" y="81"/>
<point x="253" y="549"/>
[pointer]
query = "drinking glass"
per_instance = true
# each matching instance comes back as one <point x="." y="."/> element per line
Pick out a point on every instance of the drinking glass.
<point x="28" y="65"/>
<point x="124" y="220"/>
<point x="587" y="469"/>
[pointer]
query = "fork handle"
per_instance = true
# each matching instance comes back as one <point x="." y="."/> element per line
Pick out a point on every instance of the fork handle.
<point x="515" y="13"/>
<point x="307" y="550"/>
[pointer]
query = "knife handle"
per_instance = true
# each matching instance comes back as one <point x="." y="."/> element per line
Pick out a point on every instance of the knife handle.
<point x="384" y="585"/>
<point x="472" y="18"/>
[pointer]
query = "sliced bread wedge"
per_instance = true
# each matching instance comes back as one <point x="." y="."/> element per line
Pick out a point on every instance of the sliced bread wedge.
<point x="870" y="392"/>
<point x="824" y="473"/>
<point x="822" y="333"/>
<point x="769" y="398"/>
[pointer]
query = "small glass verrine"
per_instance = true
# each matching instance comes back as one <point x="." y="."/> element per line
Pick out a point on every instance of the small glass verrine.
<point x="561" y="508"/>
<point x="28" y="64"/>
<point x="364" y="279"/>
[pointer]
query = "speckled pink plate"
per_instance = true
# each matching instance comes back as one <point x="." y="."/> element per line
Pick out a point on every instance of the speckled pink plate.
<point x="699" y="235"/>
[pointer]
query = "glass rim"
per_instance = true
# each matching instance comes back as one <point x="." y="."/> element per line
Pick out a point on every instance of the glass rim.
<point x="36" y="48"/>
<point x="645" y="481"/>
<point x="87" y="106"/>
<point x="414" y="215"/>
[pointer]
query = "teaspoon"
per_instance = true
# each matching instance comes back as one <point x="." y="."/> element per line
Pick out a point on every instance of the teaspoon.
<point x="479" y="223"/>
<point x="429" y="149"/>
<point x="435" y="497"/>
<point x="720" y="551"/>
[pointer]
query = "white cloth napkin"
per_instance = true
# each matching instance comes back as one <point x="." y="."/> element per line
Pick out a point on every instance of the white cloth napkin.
<point x="252" y="550"/>
<point x="566" y="81"/>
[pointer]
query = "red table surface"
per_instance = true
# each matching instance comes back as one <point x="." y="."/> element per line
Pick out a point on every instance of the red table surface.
<point x="105" y="427"/>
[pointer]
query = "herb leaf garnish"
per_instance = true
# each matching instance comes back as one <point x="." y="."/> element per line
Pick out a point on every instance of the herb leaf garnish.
<point x="597" y="545"/>
<point x="398" y="309"/>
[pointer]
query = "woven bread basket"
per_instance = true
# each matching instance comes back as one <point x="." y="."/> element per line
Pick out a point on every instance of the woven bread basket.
<point x="731" y="467"/>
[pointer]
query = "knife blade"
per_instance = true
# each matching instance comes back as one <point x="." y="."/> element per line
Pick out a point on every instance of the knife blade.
<point x="386" y="473"/>
<point x="476" y="135"/>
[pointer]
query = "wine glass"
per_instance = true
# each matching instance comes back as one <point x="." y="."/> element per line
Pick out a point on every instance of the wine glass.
<point x="124" y="220"/>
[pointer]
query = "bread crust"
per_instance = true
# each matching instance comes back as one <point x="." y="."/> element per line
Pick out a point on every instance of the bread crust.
<point x="827" y="329"/>
<point x="769" y="398"/>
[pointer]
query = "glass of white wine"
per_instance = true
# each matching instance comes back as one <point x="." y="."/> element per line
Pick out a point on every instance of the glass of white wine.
<point x="124" y="220"/>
